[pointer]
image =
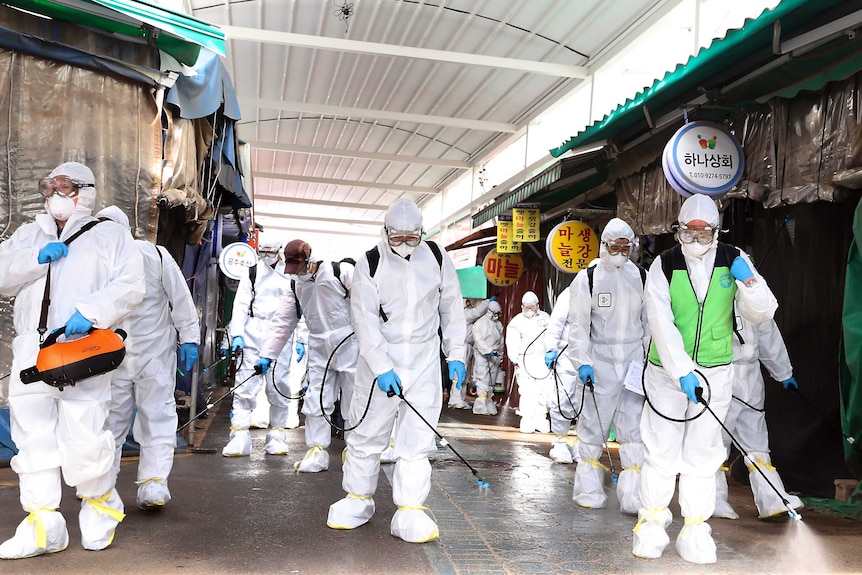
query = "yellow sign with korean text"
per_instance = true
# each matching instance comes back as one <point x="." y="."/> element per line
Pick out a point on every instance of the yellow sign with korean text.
<point x="571" y="246"/>
<point x="505" y="243"/>
<point x="503" y="269"/>
<point x="525" y="224"/>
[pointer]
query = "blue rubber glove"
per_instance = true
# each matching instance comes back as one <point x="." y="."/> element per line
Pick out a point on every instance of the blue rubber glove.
<point x="300" y="351"/>
<point x="77" y="324"/>
<point x="491" y="354"/>
<point x="236" y="343"/>
<point x="262" y="365"/>
<point x="551" y="357"/>
<point x="53" y="252"/>
<point x="223" y="352"/>
<point x="739" y="269"/>
<point x="586" y="371"/>
<point x="459" y="370"/>
<point x="389" y="382"/>
<point x="188" y="355"/>
<point x="789" y="383"/>
<point x="492" y="298"/>
<point x="688" y="383"/>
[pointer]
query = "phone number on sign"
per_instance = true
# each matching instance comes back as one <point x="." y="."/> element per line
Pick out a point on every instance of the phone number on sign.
<point x="709" y="176"/>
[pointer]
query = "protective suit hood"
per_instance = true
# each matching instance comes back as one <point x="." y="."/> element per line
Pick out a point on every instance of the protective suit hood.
<point x="115" y="214"/>
<point x="699" y="207"/>
<point x="86" y="194"/>
<point x="616" y="228"/>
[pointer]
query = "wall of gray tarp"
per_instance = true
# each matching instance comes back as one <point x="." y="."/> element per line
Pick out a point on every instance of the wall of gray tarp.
<point x="52" y="113"/>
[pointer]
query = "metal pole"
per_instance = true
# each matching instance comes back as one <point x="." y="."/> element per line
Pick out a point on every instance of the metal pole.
<point x="194" y="405"/>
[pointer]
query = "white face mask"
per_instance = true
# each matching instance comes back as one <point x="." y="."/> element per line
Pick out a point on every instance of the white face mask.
<point x="60" y="207"/>
<point x="270" y="260"/>
<point x="696" y="250"/>
<point x="529" y="313"/>
<point x="403" y="250"/>
<point x="617" y="260"/>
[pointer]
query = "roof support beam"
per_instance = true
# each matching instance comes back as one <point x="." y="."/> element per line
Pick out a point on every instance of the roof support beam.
<point x="313" y="202"/>
<point x="351" y="183"/>
<point x="318" y="219"/>
<point x="323" y="231"/>
<point x="341" y="153"/>
<point x="345" y="45"/>
<point x="343" y="111"/>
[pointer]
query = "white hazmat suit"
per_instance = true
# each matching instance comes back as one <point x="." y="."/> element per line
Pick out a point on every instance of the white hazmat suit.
<point x="396" y="316"/>
<point x="253" y="318"/>
<point x="147" y="376"/>
<point x="699" y="302"/>
<point x="562" y="403"/>
<point x="608" y="333"/>
<point x="325" y="303"/>
<point x="457" y="397"/>
<point x="101" y="277"/>
<point x="487" y="352"/>
<point x="746" y="418"/>
<point x="526" y="351"/>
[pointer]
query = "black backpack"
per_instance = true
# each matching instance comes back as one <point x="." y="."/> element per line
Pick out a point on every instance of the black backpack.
<point x="373" y="256"/>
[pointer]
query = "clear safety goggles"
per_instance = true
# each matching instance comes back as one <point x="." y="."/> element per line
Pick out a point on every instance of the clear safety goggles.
<point x="496" y="314"/>
<point x="618" y="248"/>
<point x="66" y="187"/>
<point x="702" y="235"/>
<point x="267" y="253"/>
<point x="398" y="237"/>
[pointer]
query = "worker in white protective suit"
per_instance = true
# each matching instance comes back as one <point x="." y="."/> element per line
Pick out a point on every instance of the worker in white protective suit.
<point x="147" y="376"/>
<point x="259" y="295"/>
<point x="95" y="281"/>
<point x="487" y="353"/>
<point x="754" y="344"/>
<point x="403" y="291"/>
<point x="457" y="397"/>
<point x="526" y="351"/>
<point x="282" y="377"/>
<point x="690" y="294"/>
<point x="608" y="335"/>
<point x="562" y="403"/>
<point x="323" y="294"/>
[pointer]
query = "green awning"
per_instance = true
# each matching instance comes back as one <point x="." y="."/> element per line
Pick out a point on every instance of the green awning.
<point x="179" y="35"/>
<point x="720" y="72"/>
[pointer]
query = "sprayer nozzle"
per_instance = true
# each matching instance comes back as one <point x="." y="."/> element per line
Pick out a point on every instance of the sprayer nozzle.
<point x="443" y="443"/>
<point x="482" y="484"/>
<point x="794" y="515"/>
<point x="614" y="479"/>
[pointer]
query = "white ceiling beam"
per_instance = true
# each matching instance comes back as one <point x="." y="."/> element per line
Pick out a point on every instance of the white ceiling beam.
<point x="341" y="153"/>
<point x="335" y="111"/>
<point x="340" y="182"/>
<point x="346" y="45"/>
<point x="313" y="202"/>
<point x="323" y="231"/>
<point x="318" y="219"/>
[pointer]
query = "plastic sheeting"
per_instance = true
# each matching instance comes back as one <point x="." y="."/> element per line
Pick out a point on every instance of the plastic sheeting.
<point x="51" y="113"/>
<point x="850" y="374"/>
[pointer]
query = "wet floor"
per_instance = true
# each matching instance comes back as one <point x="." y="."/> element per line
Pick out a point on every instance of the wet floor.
<point x="255" y="515"/>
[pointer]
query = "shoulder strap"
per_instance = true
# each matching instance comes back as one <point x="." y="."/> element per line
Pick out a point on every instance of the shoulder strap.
<point x="295" y="298"/>
<point x="373" y="257"/>
<point x="252" y="275"/>
<point x="438" y="255"/>
<point x="590" y="272"/>
<point x="643" y="273"/>
<point x="46" y="295"/>
<point x="336" y="271"/>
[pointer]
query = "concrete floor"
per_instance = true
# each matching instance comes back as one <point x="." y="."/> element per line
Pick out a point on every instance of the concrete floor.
<point x="254" y="515"/>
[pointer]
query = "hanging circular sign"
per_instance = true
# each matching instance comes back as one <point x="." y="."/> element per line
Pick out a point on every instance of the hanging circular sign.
<point x="703" y="158"/>
<point x="503" y="269"/>
<point x="571" y="246"/>
<point x="235" y="259"/>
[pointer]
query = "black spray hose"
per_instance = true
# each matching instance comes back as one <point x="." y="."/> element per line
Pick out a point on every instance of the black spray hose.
<point x="5" y="376"/>
<point x="278" y="391"/>
<point x="669" y="418"/>
<point x="846" y="437"/>
<point x="589" y="383"/>
<point x="698" y="392"/>
<point x="557" y="384"/>
<point x="479" y="481"/>
<point x="323" y="383"/>
<point x="772" y="243"/>
<point x="525" y="357"/>
<point x="257" y="371"/>
<point x="748" y="405"/>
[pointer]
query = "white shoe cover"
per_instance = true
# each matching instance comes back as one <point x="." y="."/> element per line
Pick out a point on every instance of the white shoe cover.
<point x="23" y="543"/>
<point x="153" y="493"/>
<point x="458" y="403"/>
<point x="239" y="444"/>
<point x="724" y="510"/>
<point x="350" y="512"/>
<point x="484" y="406"/>
<point x="778" y="507"/>
<point x="276" y="443"/>
<point x="650" y="537"/>
<point x="560" y="453"/>
<point x="388" y="455"/>
<point x="292" y="418"/>
<point x="98" y="520"/>
<point x="259" y="424"/>
<point x="413" y="526"/>
<point x="543" y="425"/>
<point x="316" y="460"/>
<point x="694" y="543"/>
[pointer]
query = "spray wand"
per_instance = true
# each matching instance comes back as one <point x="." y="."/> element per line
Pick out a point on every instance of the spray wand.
<point x="614" y="476"/>
<point x="257" y="371"/>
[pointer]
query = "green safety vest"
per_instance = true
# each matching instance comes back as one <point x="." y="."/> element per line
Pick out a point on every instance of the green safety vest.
<point x="706" y="328"/>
